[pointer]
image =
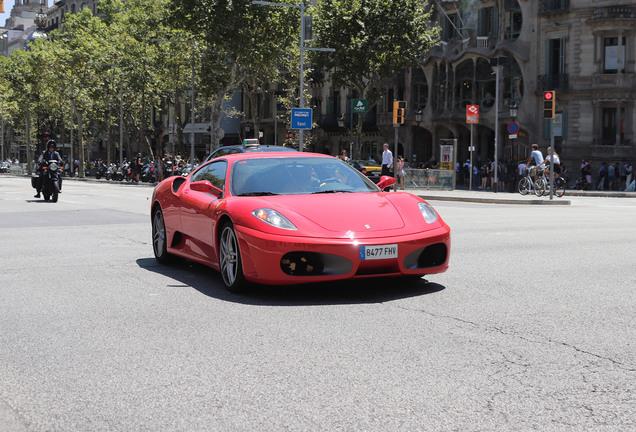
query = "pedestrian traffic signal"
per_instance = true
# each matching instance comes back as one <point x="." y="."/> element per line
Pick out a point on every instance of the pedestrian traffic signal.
<point x="549" y="102"/>
<point x="399" y="112"/>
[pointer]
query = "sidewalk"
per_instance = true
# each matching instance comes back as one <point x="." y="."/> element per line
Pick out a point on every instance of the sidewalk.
<point x="488" y="197"/>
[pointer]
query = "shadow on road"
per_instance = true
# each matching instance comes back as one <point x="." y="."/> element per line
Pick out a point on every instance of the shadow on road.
<point x="373" y="290"/>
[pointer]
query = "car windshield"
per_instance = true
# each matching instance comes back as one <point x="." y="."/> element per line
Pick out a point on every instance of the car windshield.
<point x="296" y="176"/>
<point x="368" y="163"/>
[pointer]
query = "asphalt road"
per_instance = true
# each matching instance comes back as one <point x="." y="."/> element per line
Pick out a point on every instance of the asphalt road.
<point x="532" y="328"/>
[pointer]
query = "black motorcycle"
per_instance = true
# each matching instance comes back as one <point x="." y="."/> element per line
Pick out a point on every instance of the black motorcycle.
<point x="50" y="175"/>
<point x="101" y="171"/>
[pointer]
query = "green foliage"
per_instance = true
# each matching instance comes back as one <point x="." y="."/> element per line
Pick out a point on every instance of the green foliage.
<point x="373" y="39"/>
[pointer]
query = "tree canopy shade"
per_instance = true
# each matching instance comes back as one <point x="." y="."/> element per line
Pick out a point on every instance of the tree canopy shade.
<point x="243" y="45"/>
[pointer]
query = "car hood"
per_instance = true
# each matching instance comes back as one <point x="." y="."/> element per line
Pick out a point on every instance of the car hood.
<point x="342" y="213"/>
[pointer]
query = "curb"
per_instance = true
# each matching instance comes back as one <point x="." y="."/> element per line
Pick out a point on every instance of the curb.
<point x="557" y="201"/>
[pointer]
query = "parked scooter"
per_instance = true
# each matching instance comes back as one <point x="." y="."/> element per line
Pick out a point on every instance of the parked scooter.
<point x="148" y="173"/>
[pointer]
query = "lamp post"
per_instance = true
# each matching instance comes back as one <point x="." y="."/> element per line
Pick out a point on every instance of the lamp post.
<point x="513" y="115"/>
<point x="191" y="42"/>
<point x="302" y="48"/>
<point x="2" y="144"/>
<point x="497" y="63"/>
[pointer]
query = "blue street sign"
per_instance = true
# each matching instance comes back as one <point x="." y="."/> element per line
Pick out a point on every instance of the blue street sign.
<point x="513" y="127"/>
<point x="301" y="118"/>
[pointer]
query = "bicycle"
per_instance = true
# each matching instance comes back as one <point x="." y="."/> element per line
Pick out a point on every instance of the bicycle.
<point x="542" y="185"/>
<point x="526" y="183"/>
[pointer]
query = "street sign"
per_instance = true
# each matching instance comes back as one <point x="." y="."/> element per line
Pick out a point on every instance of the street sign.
<point x="301" y="118"/>
<point x="472" y="114"/>
<point x="359" y="106"/>
<point x="513" y="128"/>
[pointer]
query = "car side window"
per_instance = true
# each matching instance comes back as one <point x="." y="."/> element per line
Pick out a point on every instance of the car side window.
<point x="215" y="173"/>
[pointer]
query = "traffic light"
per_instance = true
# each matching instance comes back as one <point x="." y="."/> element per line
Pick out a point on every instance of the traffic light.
<point x="549" y="103"/>
<point x="399" y="112"/>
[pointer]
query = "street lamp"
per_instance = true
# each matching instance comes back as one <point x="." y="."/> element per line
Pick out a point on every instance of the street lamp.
<point x="513" y="115"/>
<point x="301" y="101"/>
<point x="419" y="117"/>
<point x="497" y="63"/>
<point x="191" y="42"/>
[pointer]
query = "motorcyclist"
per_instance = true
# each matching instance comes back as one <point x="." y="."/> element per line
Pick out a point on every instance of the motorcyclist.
<point x="47" y="155"/>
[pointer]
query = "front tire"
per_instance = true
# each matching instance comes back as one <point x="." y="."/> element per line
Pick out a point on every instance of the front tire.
<point x="230" y="263"/>
<point x="159" y="238"/>
<point x="55" y="192"/>
<point x="524" y="186"/>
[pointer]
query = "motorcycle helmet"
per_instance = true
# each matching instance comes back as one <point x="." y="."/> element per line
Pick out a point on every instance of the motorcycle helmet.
<point x="51" y="143"/>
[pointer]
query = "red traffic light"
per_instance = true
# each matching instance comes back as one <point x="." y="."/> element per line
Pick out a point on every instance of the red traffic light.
<point x="548" y="95"/>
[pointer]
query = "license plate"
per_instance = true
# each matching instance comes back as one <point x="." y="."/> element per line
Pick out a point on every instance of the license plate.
<point x="378" y="252"/>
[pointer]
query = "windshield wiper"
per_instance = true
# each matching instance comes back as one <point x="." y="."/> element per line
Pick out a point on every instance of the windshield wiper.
<point x="331" y="191"/>
<point x="258" y="194"/>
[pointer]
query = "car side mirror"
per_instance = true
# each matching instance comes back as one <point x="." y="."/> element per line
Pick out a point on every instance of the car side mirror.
<point x="385" y="182"/>
<point x="206" y="187"/>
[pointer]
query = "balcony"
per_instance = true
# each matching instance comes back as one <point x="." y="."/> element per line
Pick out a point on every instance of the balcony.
<point x="552" y="82"/>
<point x="613" y="12"/>
<point x="547" y="6"/>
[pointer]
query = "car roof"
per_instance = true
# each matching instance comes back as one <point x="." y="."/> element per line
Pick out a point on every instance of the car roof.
<point x="246" y="149"/>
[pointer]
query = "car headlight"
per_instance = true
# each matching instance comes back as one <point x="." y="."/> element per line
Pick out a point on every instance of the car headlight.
<point x="273" y="218"/>
<point x="429" y="213"/>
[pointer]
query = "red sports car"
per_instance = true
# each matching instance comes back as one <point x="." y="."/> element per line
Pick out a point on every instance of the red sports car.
<point x="290" y="218"/>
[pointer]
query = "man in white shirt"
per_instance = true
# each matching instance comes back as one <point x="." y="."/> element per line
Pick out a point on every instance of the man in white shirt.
<point x="387" y="160"/>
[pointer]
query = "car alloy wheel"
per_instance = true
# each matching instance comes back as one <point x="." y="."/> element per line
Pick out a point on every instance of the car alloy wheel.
<point x="230" y="259"/>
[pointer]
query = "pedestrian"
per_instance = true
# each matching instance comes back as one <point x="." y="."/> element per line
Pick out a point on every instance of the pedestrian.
<point x="602" y="174"/>
<point x="400" y="172"/>
<point x="483" y="175"/>
<point x="387" y="160"/>
<point x="611" y="177"/>
<point x="343" y="155"/>
<point x="629" y="170"/>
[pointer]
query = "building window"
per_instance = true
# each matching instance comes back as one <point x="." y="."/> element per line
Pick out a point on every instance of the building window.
<point x="419" y="89"/>
<point x="486" y="85"/>
<point x="513" y="82"/>
<point x="611" y="55"/>
<point x="464" y="84"/>
<point x="488" y="24"/>
<point x="513" y="20"/>
<point x="555" y="64"/>
<point x="610" y="126"/>
<point x="450" y="24"/>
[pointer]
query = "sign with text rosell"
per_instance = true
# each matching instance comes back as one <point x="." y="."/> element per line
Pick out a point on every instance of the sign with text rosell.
<point x="472" y="114"/>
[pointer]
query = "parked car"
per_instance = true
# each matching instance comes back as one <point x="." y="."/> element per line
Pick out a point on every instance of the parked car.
<point x="291" y="218"/>
<point x="249" y="145"/>
<point x="369" y="168"/>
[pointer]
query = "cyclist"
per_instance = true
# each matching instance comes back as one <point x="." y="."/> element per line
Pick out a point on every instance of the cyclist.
<point x="552" y="157"/>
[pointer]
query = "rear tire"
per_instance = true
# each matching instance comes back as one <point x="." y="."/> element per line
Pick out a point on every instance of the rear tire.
<point x="559" y="187"/>
<point x="230" y="263"/>
<point x="539" y="187"/>
<point x="159" y="238"/>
